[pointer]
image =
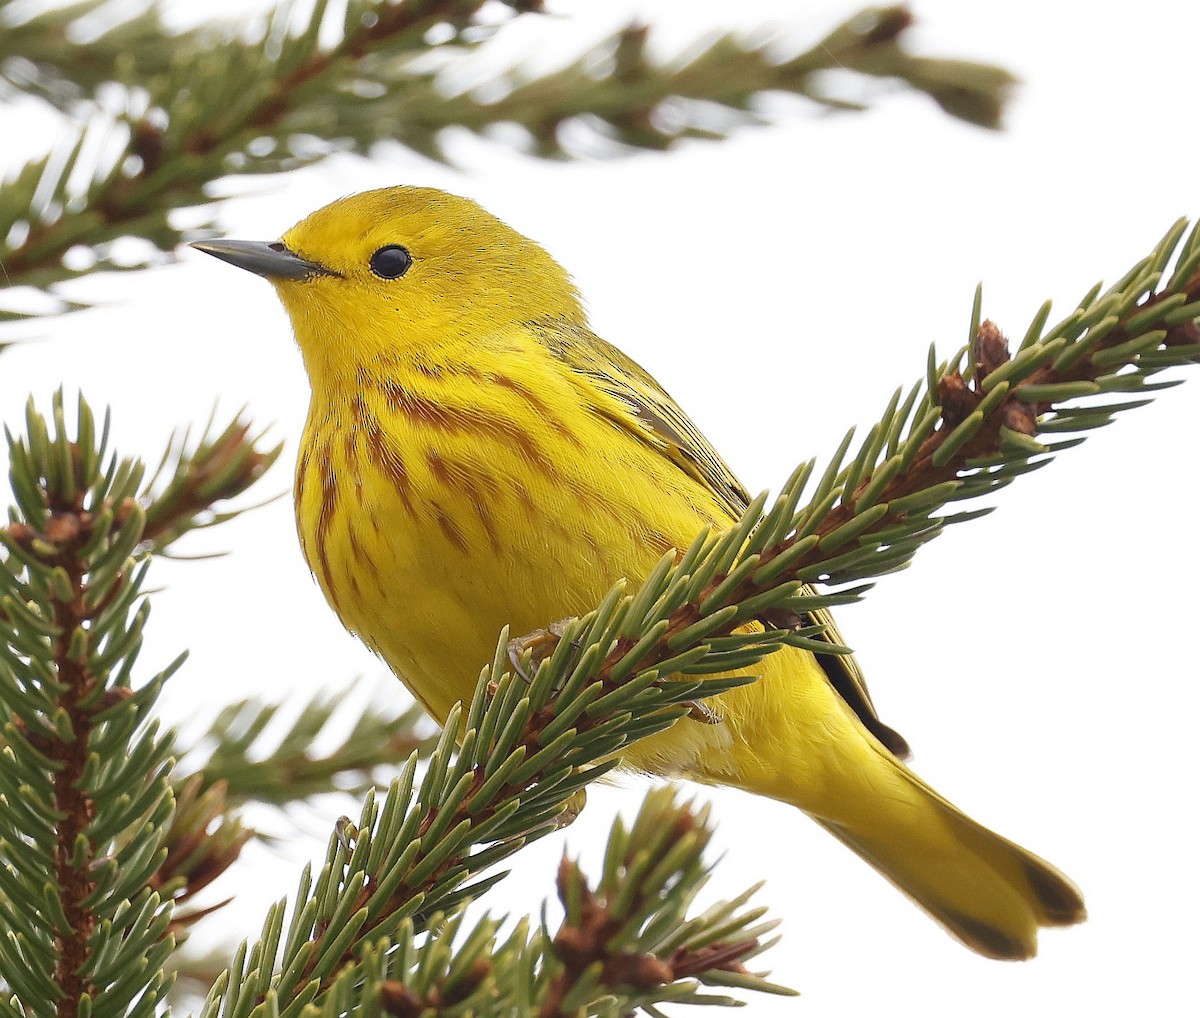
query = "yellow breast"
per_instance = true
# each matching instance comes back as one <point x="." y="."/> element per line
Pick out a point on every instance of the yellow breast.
<point x="436" y="506"/>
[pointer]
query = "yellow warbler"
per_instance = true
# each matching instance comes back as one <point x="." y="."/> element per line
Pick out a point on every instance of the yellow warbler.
<point x="476" y="457"/>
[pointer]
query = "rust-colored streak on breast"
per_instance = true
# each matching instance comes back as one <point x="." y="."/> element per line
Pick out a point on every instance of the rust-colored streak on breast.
<point x="298" y="494"/>
<point x="423" y="410"/>
<point x="451" y="529"/>
<point x="388" y="461"/>
<point x="361" y="558"/>
<point x="329" y="501"/>
<point x="358" y="416"/>
<point x="301" y="471"/>
<point x="487" y="521"/>
<point x="441" y="472"/>
<point x="475" y="487"/>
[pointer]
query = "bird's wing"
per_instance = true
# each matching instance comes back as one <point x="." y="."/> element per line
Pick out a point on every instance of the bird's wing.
<point x="654" y="416"/>
<point x="653" y="412"/>
<point x="847" y="678"/>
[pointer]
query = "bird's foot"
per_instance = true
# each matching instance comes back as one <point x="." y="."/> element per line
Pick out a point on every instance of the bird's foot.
<point x="698" y="710"/>
<point x="539" y="645"/>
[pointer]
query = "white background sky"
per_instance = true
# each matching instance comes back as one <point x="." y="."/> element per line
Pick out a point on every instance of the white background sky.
<point x="1040" y="661"/>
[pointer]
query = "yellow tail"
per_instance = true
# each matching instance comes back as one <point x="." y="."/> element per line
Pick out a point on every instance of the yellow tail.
<point x="991" y="894"/>
<point x="790" y="736"/>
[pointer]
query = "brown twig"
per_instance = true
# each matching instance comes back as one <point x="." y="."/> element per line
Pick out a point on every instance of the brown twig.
<point x="959" y="398"/>
<point x="217" y="471"/>
<point x="205" y="838"/>
<point x="584" y="940"/>
<point x="125" y="199"/>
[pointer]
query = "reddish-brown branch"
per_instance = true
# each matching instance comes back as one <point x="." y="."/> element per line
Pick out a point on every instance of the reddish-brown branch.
<point x="68" y="529"/>
<point x="66" y="532"/>
<point x="230" y="457"/>
<point x="959" y="399"/>
<point x="582" y="941"/>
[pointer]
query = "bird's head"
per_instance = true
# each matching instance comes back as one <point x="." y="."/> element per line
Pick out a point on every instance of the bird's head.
<point x="401" y="271"/>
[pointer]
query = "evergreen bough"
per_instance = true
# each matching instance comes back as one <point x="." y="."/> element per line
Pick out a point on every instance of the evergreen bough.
<point x="177" y="113"/>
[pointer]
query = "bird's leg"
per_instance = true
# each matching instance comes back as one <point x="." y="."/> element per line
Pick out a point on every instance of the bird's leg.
<point x="539" y="645"/>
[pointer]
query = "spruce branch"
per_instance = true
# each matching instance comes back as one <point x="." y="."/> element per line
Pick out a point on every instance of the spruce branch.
<point x="291" y="771"/>
<point x="630" y="940"/>
<point x="184" y="493"/>
<point x="191" y="479"/>
<point x="43" y="53"/>
<point x="84" y="782"/>
<point x="501" y="775"/>
<point x="441" y="974"/>
<point x="204" y="839"/>
<point x="208" y="104"/>
<point x="969" y="428"/>
<point x="639" y="102"/>
<point x="647" y="950"/>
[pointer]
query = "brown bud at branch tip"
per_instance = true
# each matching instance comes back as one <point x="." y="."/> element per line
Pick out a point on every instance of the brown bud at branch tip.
<point x="991" y="349"/>
<point x="398" y="1000"/>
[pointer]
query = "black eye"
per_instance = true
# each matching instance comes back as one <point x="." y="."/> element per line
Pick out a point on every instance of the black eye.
<point x="391" y="262"/>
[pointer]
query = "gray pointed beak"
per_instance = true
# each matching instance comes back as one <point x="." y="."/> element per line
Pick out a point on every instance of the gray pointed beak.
<point x="272" y="260"/>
